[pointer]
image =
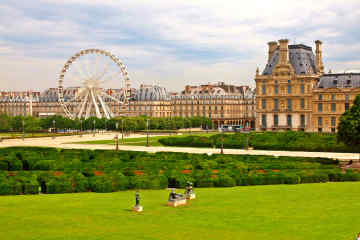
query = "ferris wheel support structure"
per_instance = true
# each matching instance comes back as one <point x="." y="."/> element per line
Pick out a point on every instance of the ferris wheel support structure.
<point x="90" y="98"/>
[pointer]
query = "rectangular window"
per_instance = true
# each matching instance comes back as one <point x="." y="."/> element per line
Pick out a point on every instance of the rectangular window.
<point x="333" y="97"/>
<point x="333" y="121"/>
<point x="302" y="103"/>
<point x="263" y="103"/>
<point x="289" y="104"/>
<point x="276" y="120"/>
<point x="333" y="107"/>
<point x="347" y="107"/>
<point x="302" y="120"/>
<point x="289" y="120"/>
<point x="276" y="89"/>
<point x="319" y="121"/>
<point x="264" y="89"/>
<point x="302" y="88"/>
<point x="320" y="97"/>
<point x="320" y="108"/>
<point x="263" y="121"/>
<point x="289" y="89"/>
<point x="347" y="97"/>
<point x="276" y="104"/>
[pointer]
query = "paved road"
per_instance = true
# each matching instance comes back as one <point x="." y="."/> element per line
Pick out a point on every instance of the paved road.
<point x="66" y="142"/>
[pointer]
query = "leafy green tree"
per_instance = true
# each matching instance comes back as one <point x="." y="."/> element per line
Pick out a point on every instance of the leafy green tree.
<point x="32" y="124"/>
<point x="349" y="126"/>
<point x="5" y="122"/>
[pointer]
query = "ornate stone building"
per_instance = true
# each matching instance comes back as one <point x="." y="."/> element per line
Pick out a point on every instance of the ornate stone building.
<point x="285" y="87"/>
<point x="223" y="104"/>
<point x="293" y="93"/>
<point x="334" y="94"/>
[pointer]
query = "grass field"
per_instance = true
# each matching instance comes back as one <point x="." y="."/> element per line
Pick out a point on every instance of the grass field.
<point x="298" y="212"/>
<point x="140" y="141"/>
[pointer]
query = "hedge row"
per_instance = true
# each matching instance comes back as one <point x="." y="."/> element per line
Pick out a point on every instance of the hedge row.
<point x="86" y="161"/>
<point x="290" y="141"/>
<point x="53" y="182"/>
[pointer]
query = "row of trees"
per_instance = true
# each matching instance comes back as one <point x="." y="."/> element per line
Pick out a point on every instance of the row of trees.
<point x="33" y="124"/>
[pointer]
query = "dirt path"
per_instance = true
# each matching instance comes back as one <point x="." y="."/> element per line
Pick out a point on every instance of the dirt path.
<point x="63" y="142"/>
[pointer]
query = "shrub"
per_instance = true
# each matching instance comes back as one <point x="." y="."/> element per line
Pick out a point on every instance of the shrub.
<point x="225" y="181"/>
<point x="101" y="184"/>
<point x="60" y="184"/>
<point x="4" y="166"/>
<point x="31" y="186"/>
<point x="44" y="165"/>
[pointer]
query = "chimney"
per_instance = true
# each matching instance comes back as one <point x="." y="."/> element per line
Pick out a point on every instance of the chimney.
<point x="272" y="47"/>
<point x="318" y="54"/>
<point x="284" y="51"/>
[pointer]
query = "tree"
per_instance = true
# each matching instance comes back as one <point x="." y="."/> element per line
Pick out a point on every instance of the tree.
<point x="349" y="126"/>
<point x="4" y="122"/>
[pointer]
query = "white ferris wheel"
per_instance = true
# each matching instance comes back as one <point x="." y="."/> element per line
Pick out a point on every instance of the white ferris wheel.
<point x="89" y="73"/>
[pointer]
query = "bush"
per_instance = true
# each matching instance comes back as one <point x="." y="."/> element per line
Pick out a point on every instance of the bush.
<point x="101" y="184"/>
<point x="44" y="165"/>
<point x="4" y="166"/>
<point x="31" y="186"/>
<point x="225" y="181"/>
<point x="60" y="184"/>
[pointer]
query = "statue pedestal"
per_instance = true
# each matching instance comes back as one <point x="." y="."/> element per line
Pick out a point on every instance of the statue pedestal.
<point x="138" y="208"/>
<point x="177" y="202"/>
<point x="190" y="196"/>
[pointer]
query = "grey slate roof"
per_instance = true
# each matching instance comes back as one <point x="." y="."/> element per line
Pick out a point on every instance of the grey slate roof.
<point x="339" y="80"/>
<point x="301" y="58"/>
<point x="153" y="93"/>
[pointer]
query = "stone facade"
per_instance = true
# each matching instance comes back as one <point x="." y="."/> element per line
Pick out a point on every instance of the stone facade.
<point x="334" y="95"/>
<point x="224" y="104"/>
<point x="284" y="89"/>
<point x="293" y="93"/>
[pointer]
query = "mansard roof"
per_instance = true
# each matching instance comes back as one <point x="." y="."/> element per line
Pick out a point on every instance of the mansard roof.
<point x="339" y="80"/>
<point x="301" y="58"/>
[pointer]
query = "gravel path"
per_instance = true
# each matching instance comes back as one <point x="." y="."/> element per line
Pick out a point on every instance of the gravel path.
<point x="67" y="142"/>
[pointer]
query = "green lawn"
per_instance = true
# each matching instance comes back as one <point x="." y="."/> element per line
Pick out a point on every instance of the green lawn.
<point x="140" y="141"/>
<point x="297" y="212"/>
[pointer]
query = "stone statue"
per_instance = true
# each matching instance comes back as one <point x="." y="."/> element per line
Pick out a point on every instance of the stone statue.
<point x="176" y="199"/>
<point x="189" y="191"/>
<point x="137" y="198"/>
<point x="137" y="207"/>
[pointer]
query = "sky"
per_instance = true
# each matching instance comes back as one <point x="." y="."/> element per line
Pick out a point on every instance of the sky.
<point x="172" y="43"/>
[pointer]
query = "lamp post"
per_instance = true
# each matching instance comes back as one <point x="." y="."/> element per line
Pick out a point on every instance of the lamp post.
<point x="94" y="128"/>
<point x="147" y="132"/>
<point x="23" y="129"/>
<point x="54" y="127"/>
<point x="117" y="142"/>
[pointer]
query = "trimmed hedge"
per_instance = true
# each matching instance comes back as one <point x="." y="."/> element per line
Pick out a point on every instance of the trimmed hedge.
<point x="289" y="141"/>
<point x="67" y="171"/>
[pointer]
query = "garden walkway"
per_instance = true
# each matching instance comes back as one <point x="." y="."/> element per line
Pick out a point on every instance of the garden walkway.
<point x="67" y="142"/>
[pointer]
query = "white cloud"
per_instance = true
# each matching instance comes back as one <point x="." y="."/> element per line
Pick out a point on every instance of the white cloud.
<point x="154" y="38"/>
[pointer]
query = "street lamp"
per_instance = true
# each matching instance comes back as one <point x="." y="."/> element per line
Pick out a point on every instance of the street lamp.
<point x="54" y="127"/>
<point x="147" y="132"/>
<point x="23" y="128"/>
